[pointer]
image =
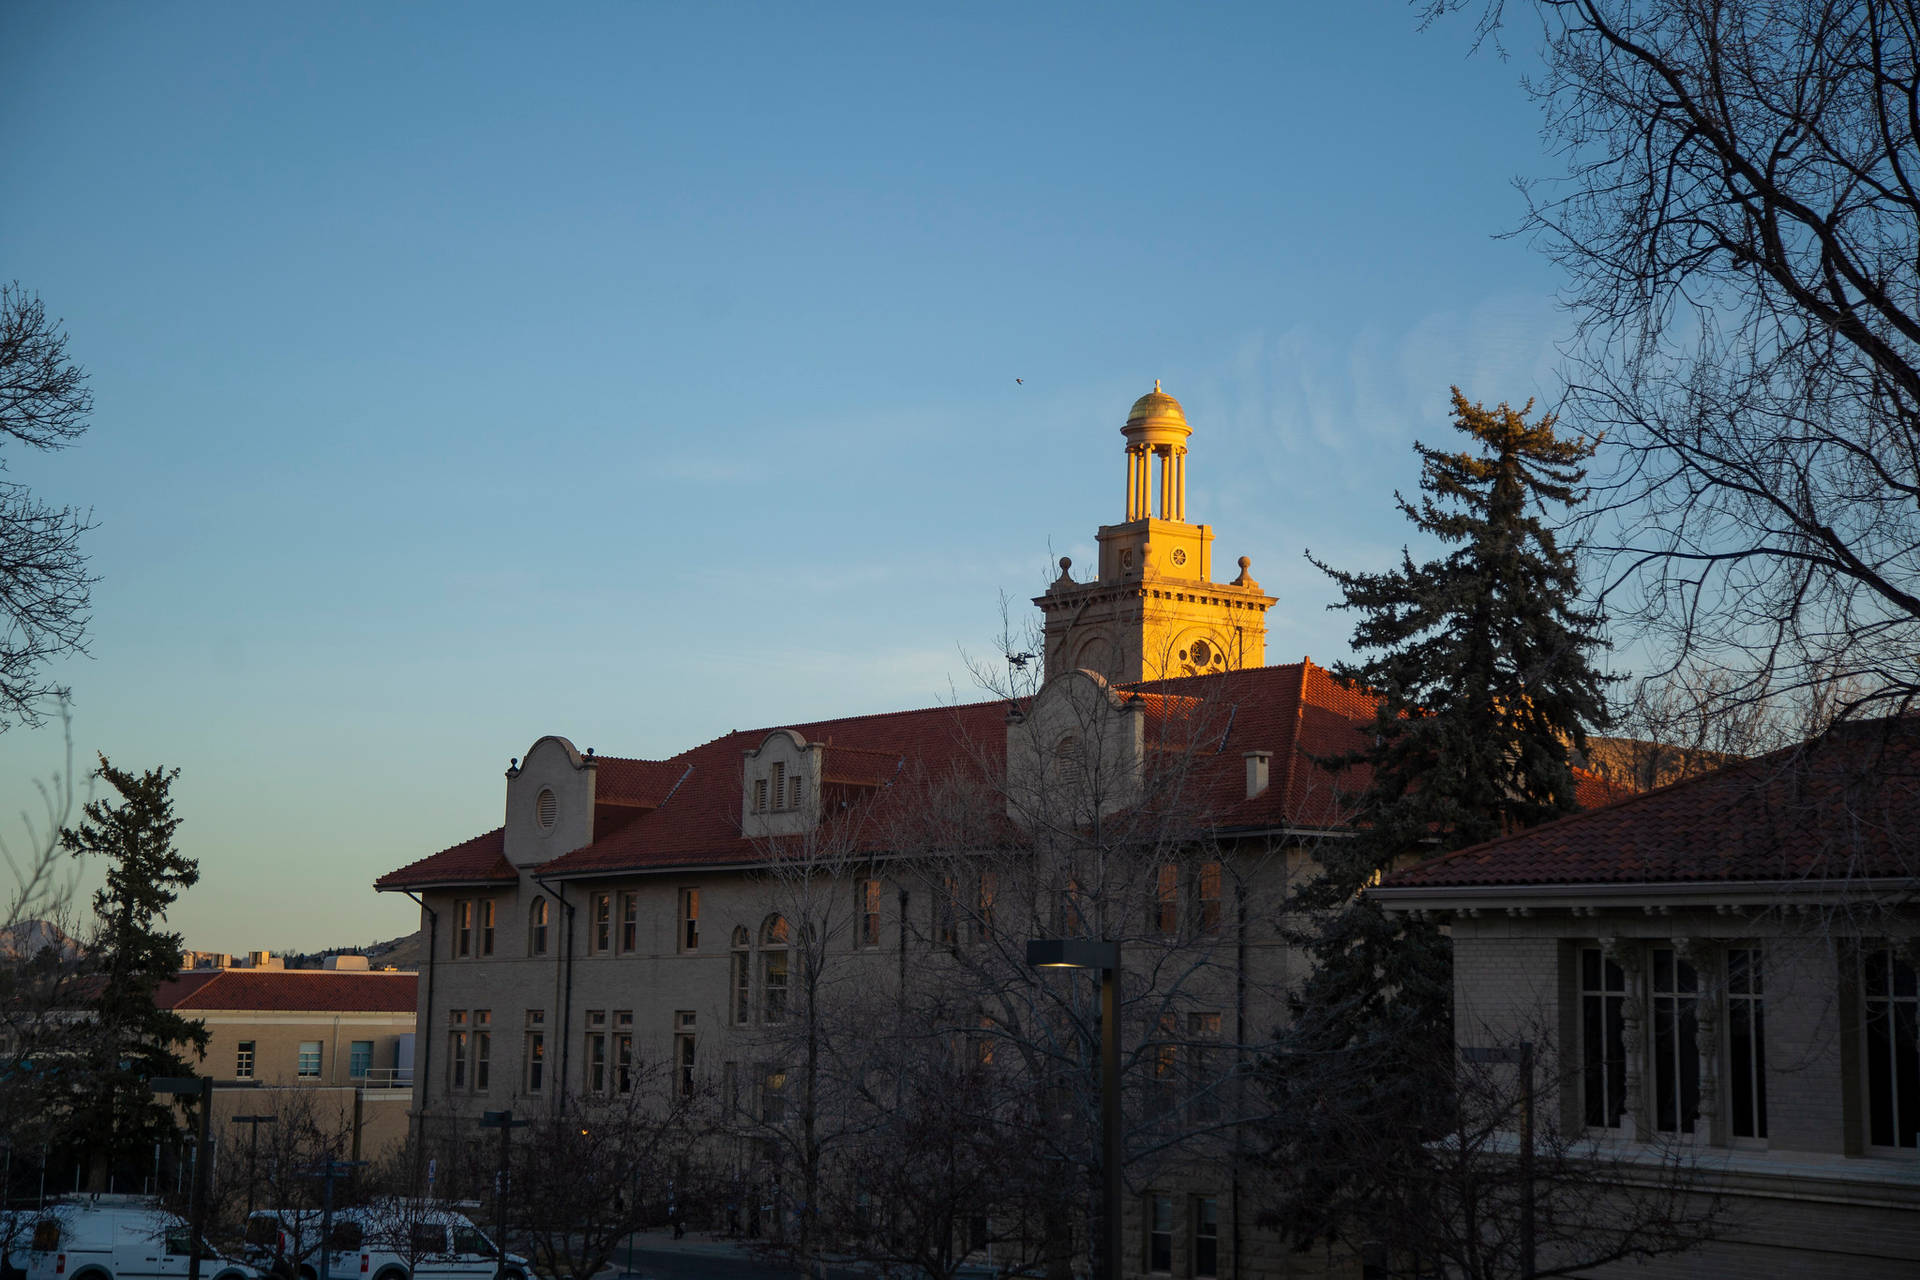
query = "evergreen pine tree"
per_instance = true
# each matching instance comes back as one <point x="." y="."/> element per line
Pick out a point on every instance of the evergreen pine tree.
<point x="1481" y="661"/>
<point x="116" y="1117"/>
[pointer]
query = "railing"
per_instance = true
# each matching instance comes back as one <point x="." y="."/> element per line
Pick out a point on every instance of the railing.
<point x="387" y="1078"/>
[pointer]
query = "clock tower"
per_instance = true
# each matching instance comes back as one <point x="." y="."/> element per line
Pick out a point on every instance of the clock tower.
<point x="1153" y="611"/>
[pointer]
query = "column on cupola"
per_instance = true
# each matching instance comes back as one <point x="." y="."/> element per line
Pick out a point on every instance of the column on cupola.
<point x="1180" y="484"/>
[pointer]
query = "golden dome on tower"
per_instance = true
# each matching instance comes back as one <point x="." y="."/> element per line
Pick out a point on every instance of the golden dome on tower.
<point x="1156" y="417"/>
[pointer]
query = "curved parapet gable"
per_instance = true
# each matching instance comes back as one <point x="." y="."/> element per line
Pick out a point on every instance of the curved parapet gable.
<point x="549" y="802"/>
<point x="780" y="786"/>
<point x="1078" y="751"/>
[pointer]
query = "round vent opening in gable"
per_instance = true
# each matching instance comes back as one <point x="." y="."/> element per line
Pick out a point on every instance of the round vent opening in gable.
<point x="547" y="809"/>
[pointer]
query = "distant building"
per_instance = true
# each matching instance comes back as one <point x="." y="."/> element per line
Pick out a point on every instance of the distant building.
<point x="339" y="1040"/>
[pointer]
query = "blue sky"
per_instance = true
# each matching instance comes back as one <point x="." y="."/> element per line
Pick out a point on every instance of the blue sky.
<point x="642" y="372"/>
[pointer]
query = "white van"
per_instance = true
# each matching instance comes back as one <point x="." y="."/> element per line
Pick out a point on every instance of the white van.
<point x="120" y="1238"/>
<point x="393" y="1240"/>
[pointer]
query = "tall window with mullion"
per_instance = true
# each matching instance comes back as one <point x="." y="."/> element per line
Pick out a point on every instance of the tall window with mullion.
<point x="1746" y="1044"/>
<point x="1676" y="1042"/>
<point x="1891" y="996"/>
<point x="1603" y="1054"/>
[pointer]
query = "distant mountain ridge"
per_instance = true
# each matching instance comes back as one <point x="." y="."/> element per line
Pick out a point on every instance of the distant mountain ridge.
<point x="25" y="939"/>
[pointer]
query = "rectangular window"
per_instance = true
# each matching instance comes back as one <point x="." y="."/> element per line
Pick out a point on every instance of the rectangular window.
<point x="773" y="1098"/>
<point x="1746" y="1044"/>
<point x="596" y="1051"/>
<point x="759" y="795"/>
<point x="867" y="893"/>
<point x="945" y="906"/>
<point x="779" y="786"/>
<point x="1676" y="1048"/>
<point x="1163" y="917"/>
<point x="689" y="919"/>
<point x="309" y="1062"/>
<point x="629" y="922"/>
<point x="600" y="915"/>
<point x="1203" y="1039"/>
<point x="1890" y="994"/>
<point x="989" y="889"/>
<point x="1206" y="899"/>
<point x="742" y="985"/>
<point x="359" y="1059"/>
<point x="243" y="1061"/>
<point x="486" y="926"/>
<point x="463" y="928"/>
<point x="536" y="1061"/>
<point x="1206" y="1236"/>
<point x="1603" y="1056"/>
<point x="683" y="1053"/>
<point x="457" y="1049"/>
<point x="482" y="1048"/>
<point x="794" y="784"/>
<point x="1159" y="1233"/>
<point x="1163" y="1087"/>
<point x="623" y="1062"/>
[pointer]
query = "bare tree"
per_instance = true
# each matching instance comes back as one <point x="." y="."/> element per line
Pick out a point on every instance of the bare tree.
<point x="1473" y="1202"/>
<point x="270" y="1170"/>
<point x="1740" y="223"/>
<point x="587" y="1178"/>
<point x="44" y="583"/>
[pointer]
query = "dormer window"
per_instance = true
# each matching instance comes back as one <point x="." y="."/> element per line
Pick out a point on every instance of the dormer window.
<point x="780" y="786"/>
<point x="759" y="795"/>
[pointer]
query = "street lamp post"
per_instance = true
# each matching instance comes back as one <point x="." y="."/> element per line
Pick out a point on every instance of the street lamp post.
<point x="1086" y="953"/>
<point x="253" y="1142"/>
<point x="1521" y="1056"/>
<point x="202" y="1087"/>
<point x="506" y="1124"/>
<point x="329" y="1173"/>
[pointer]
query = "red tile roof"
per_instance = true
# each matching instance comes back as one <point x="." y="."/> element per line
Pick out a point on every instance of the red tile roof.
<point x="1845" y="806"/>
<point x="1297" y="711"/>
<point x="480" y="860"/>
<point x="289" y="991"/>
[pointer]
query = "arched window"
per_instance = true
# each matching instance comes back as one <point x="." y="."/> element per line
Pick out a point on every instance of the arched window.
<point x="537" y="927"/>
<point x="773" y="968"/>
<point x="742" y="976"/>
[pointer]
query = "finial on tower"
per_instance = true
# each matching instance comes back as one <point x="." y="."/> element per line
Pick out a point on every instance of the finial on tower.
<point x="1156" y="384"/>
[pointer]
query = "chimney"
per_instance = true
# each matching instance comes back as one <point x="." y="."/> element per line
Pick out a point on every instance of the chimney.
<point x="1257" y="771"/>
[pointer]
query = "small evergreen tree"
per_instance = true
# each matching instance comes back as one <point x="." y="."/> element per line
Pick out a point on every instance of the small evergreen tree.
<point x="1481" y="663"/>
<point x="116" y="1117"/>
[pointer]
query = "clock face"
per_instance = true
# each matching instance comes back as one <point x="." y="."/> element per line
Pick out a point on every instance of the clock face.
<point x="1179" y="555"/>
<point x="1126" y="557"/>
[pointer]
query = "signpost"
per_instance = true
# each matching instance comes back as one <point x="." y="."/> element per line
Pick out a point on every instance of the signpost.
<point x="327" y="1173"/>
<point x="202" y="1087"/>
<point x="506" y="1124"/>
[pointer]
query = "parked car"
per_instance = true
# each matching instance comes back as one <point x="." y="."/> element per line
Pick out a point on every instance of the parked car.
<point x="392" y="1240"/>
<point x="120" y="1238"/>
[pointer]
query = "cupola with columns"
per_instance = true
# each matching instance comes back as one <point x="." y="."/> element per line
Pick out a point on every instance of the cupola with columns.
<point x="1153" y="610"/>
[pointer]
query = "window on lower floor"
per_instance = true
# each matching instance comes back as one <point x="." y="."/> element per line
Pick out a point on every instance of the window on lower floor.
<point x="1203" y="1040"/>
<point x="309" y="1060"/>
<point x="689" y="919"/>
<point x="243" y="1061"/>
<point x="536" y="1061"/>
<point x="482" y="1049"/>
<point x="1746" y="1044"/>
<point x="1675" y="1007"/>
<point x="359" y="1059"/>
<point x="596" y="1065"/>
<point x="1159" y="1233"/>
<point x="742" y="982"/>
<point x="600" y="923"/>
<point x="1206" y="1236"/>
<point x="1890" y="993"/>
<point x="1603" y="1055"/>
<point x="683" y="1053"/>
<point x="867" y="905"/>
